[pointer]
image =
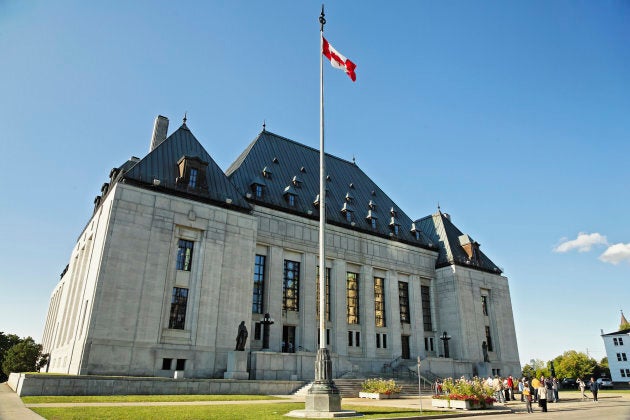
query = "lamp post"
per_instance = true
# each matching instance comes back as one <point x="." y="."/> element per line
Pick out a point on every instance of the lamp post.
<point x="445" y="337"/>
<point x="419" y="386"/>
<point x="266" y="321"/>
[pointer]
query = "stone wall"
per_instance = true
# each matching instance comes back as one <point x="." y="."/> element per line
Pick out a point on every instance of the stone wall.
<point x="25" y="384"/>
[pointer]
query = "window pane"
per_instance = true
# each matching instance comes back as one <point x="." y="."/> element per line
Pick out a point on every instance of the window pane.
<point x="327" y="293"/>
<point x="426" y="308"/>
<point x="259" y="284"/>
<point x="192" y="180"/>
<point x="179" y="301"/>
<point x="488" y="339"/>
<point x="291" y="286"/>
<point x="379" y="302"/>
<point x="403" y="301"/>
<point x="352" y="297"/>
<point x="184" y="254"/>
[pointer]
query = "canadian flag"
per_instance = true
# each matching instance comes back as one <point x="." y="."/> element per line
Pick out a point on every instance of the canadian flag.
<point x="338" y="60"/>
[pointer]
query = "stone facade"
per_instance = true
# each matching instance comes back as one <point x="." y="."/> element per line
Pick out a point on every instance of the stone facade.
<point x="126" y="306"/>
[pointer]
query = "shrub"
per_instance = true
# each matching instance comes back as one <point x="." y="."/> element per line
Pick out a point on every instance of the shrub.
<point x="474" y="390"/>
<point x="380" y="386"/>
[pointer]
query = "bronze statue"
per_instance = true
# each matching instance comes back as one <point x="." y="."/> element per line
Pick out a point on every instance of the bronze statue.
<point x="484" y="348"/>
<point x="241" y="337"/>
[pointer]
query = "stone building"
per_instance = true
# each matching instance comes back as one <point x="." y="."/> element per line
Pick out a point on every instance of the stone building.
<point x="177" y="253"/>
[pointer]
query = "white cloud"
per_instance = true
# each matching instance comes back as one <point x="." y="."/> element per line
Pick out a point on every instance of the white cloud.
<point x="583" y="243"/>
<point x="616" y="253"/>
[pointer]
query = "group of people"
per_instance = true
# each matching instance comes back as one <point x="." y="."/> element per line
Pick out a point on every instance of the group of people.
<point x="545" y="390"/>
<point x="538" y="390"/>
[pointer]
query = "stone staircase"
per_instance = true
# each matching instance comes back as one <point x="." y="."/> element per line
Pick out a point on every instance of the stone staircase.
<point x="349" y="388"/>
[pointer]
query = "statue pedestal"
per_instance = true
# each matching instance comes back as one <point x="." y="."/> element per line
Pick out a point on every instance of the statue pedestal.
<point x="237" y="365"/>
<point x="483" y="369"/>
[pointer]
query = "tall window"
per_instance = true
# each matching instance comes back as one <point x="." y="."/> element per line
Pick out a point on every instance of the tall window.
<point x="426" y="308"/>
<point x="259" y="284"/>
<point x="192" y="180"/>
<point x="352" y="300"/>
<point x="403" y="301"/>
<point x="379" y="302"/>
<point x="258" y="190"/>
<point x="179" y="300"/>
<point x="327" y="280"/>
<point x="184" y="254"/>
<point x="288" y="339"/>
<point x="484" y="304"/>
<point x="291" y="286"/>
<point x="489" y="339"/>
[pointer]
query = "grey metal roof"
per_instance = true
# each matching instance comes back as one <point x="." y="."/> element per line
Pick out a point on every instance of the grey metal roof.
<point x="347" y="185"/>
<point x="161" y="164"/>
<point x="620" y="332"/>
<point x="439" y="228"/>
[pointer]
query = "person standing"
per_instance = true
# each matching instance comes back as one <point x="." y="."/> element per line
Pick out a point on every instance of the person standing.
<point x="510" y="384"/>
<point x="554" y="387"/>
<point x="594" y="389"/>
<point x="542" y="396"/>
<point x="527" y="395"/>
<point x="521" y="388"/>
<point x="497" y="386"/>
<point x="582" y="386"/>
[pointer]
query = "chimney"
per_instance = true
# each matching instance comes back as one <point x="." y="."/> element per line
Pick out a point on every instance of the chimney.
<point x="160" y="128"/>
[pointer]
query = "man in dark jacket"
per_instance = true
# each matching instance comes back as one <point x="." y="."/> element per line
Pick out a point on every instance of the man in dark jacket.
<point x="594" y="388"/>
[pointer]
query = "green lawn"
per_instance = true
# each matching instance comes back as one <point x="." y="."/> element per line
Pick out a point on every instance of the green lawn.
<point x="141" y="398"/>
<point x="240" y="412"/>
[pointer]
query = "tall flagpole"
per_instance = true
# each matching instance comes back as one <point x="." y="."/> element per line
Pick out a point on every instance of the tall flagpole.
<point x="322" y="193"/>
<point x="323" y="396"/>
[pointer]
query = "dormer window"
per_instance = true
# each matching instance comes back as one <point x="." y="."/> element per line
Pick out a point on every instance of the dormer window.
<point x="258" y="187"/>
<point x="348" y="212"/>
<point x="192" y="173"/>
<point x="415" y="231"/>
<point x="290" y="196"/>
<point x="297" y="182"/>
<point x="266" y="173"/>
<point x="192" y="179"/>
<point x="258" y="191"/>
<point x="371" y="217"/>
<point x="349" y="197"/>
<point x="372" y="205"/>
<point x="394" y="225"/>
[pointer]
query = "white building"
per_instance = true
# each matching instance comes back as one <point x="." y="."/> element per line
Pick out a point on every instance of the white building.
<point x="617" y="346"/>
<point x="178" y="253"/>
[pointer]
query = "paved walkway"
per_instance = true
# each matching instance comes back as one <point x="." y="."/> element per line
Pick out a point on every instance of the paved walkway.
<point x="611" y="406"/>
<point x="11" y="406"/>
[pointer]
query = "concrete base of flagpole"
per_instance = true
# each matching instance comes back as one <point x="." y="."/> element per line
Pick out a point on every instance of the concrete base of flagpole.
<point x="323" y="399"/>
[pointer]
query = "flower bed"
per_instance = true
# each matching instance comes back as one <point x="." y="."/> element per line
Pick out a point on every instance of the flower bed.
<point x="464" y="394"/>
<point x="379" y="389"/>
<point x="378" y="396"/>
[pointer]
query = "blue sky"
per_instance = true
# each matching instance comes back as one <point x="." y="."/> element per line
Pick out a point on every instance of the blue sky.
<point x="512" y="115"/>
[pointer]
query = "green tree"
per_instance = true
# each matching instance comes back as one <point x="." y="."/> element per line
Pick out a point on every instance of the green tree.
<point x="25" y="356"/>
<point x="602" y="368"/>
<point x="6" y="342"/>
<point x="535" y="369"/>
<point x="573" y="364"/>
